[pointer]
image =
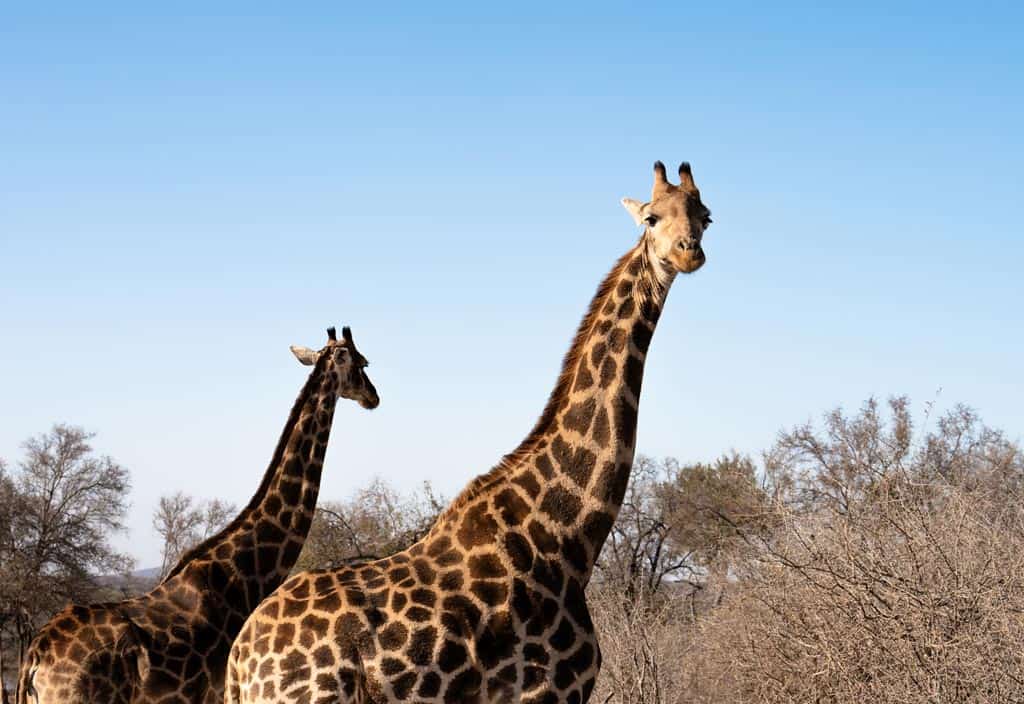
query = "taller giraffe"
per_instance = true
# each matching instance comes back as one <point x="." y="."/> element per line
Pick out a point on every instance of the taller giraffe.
<point x="490" y="605"/>
<point x="171" y="645"/>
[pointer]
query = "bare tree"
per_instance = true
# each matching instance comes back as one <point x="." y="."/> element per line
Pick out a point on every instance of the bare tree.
<point x="9" y="508"/>
<point x="376" y="521"/>
<point x="640" y="552"/>
<point x="716" y="507"/>
<point x="182" y="523"/>
<point x="678" y="522"/>
<point x="57" y="513"/>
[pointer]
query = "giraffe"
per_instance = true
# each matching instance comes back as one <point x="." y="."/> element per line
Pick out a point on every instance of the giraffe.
<point x="489" y="606"/>
<point x="171" y="644"/>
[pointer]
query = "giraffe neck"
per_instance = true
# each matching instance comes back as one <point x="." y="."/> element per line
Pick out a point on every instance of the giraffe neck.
<point x="561" y="490"/>
<point x="258" y="549"/>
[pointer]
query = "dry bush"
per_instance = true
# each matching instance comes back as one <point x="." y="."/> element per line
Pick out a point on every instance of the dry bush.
<point x="378" y="520"/>
<point x="896" y="572"/>
<point x="644" y="643"/>
<point x="923" y="609"/>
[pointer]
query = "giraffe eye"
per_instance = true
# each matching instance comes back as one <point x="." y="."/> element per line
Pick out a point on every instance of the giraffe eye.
<point x="651" y="220"/>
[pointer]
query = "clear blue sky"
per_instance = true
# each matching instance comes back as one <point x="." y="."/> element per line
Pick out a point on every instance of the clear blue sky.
<point x="184" y="192"/>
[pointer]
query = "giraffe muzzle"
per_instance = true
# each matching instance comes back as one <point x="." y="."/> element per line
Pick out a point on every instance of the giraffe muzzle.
<point x="370" y="399"/>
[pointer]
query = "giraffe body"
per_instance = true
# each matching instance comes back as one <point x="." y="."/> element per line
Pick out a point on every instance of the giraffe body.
<point x="171" y="644"/>
<point x="490" y="605"/>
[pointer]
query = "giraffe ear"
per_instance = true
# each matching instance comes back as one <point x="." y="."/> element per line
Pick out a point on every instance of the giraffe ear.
<point x="304" y="355"/>
<point x="634" y="208"/>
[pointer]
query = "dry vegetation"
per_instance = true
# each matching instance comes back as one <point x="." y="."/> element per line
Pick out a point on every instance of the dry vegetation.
<point x="376" y="521"/>
<point x="861" y="561"/>
<point x="881" y="568"/>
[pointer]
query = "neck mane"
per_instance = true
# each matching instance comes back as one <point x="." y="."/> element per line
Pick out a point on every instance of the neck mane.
<point x="650" y="287"/>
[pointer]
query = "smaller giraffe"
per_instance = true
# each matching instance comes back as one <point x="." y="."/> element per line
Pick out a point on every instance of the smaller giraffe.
<point x="171" y="645"/>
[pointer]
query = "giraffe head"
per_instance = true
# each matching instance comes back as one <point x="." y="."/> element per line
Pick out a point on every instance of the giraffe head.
<point x="343" y="360"/>
<point x="674" y="220"/>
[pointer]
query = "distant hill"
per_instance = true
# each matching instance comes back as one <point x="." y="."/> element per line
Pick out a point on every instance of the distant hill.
<point x="135" y="582"/>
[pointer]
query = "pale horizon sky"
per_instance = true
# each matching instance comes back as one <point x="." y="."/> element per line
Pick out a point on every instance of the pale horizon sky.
<point x="186" y="191"/>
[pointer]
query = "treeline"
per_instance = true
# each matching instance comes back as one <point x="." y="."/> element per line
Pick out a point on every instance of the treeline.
<point x="858" y="559"/>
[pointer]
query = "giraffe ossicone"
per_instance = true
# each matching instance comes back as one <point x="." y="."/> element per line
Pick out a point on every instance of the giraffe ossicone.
<point x="489" y="606"/>
<point x="171" y="644"/>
